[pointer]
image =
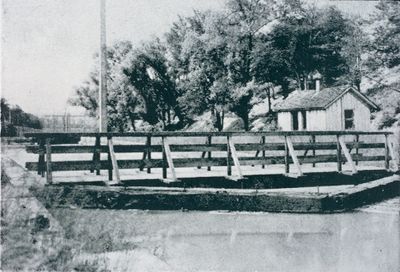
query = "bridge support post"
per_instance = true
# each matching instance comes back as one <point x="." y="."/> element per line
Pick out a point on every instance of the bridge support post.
<point x="235" y="157"/>
<point x="287" y="165"/>
<point x="209" y="152"/>
<point x="168" y="156"/>
<point x="293" y="155"/>
<point x="347" y="154"/>
<point x="229" y="157"/>
<point x="149" y="152"/>
<point x="114" y="161"/>
<point x="338" y="155"/>
<point x="263" y="150"/>
<point x="49" y="175"/>
<point x="357" y="147"/>
<point x="41" y="162"/>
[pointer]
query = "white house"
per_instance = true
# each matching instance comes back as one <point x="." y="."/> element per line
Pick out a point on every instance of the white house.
<point x="337" y="108"/>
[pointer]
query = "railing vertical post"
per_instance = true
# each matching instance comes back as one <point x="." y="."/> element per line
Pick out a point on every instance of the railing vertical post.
<point x="339" y="154"/>
<point x="209" y="152"/>
<point x="229" y="156"/>
<point x="263" y="150"/>
<point x="41" y="162"/>
<point x="313" y="148"/>
<point x="149" y="152"/>
<point x="49" y="176"/>
<point x="287" y="166"/>
<point x="387" y="152"/>
<point x="96" y="156"/>
<point x="357" y="147"/>
<point x="164" y="159"/>
<point x="110" y="166"/>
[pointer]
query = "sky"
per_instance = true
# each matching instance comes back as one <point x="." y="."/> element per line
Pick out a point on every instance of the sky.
<point x="47" y="46"/>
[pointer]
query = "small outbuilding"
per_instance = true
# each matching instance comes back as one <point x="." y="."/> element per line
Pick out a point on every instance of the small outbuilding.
<point x="336" y="108"/>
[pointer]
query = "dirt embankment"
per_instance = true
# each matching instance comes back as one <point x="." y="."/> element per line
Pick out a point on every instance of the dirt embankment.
<point x="31" y="239"/>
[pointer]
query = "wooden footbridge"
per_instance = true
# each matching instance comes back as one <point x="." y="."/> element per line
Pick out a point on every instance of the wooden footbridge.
<point x="230" y="150"/>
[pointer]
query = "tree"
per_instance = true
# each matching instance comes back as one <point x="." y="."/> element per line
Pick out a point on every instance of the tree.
<point x="123" y="103"/>
<point x="384" y="47"/>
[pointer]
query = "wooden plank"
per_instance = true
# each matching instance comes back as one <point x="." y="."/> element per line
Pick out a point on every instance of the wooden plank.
<point x="41" y="161"/>
<point x="114" y="161"/>
<point x="357" y="146"/>
<point x="49" y="175"/>
<point x="263" y="152"/>
<point x="203" y="134"/>
<point x="164" y="159"/>
<point x="228" y="158"/>
<point x="168" y="155"/>
<point x="235" y="158"/>
<point x="313" y="143"/>
<point x="149" y="152"/>
<point x="347" y="155"/>
<point x="387" y="165"/>
<point x="59" y="149"/>
<point x="393" y="156"/>
<point x="287" y="165"/>
<point x="339" y="155"/>
<point x="209" y="152"/>
<point x="294" y="156"/>
<point x="191" y="162"/>
<point x="96" y="155"/>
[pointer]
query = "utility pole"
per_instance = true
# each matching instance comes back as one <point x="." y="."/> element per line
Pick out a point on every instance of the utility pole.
<point x="103" y="70"/>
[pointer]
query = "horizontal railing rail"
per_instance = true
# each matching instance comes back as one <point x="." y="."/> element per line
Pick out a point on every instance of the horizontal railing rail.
<point x="347" y="147"/>
<point x="200" y="134"/>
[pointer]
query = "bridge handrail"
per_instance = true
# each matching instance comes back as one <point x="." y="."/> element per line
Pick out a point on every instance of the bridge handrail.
<point x="200" y="134"/>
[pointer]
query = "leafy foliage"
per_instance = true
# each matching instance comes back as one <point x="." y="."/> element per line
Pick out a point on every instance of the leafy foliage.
<point x="220" y="61"/>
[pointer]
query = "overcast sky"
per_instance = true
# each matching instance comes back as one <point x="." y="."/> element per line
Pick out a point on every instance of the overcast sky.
<point x="48" y="45"/>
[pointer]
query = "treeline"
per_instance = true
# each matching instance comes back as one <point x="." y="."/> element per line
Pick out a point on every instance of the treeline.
<point x="16" y="117"/>
<point x="229" y="60"/>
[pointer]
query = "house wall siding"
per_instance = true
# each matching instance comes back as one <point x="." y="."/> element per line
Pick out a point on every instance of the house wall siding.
<point x="316" y="120"/>
<point x="285" y="121"/>
<point x="335" y="113"/>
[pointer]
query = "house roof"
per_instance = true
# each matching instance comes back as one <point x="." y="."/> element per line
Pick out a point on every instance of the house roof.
<point x="313" y="100"/>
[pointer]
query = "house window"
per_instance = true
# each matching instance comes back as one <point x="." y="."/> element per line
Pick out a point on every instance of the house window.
<point x="348" y="119"/>
<point x="295" y="121"/>
<point x="304" y="115"/>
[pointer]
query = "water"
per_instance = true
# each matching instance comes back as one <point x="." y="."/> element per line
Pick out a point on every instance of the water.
<point x="363" y="240"/>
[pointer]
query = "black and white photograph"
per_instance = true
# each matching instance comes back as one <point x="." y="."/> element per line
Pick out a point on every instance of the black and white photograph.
<point x="200" y="135"/>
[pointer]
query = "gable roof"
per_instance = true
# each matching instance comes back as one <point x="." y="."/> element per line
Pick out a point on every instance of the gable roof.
<point x="312" y="100"/>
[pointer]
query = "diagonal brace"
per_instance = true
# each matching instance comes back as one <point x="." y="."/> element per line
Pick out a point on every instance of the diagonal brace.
<point x="346" y="153"/>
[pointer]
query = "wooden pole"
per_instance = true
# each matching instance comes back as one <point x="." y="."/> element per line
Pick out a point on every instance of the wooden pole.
<point x="114" y="160"/>
<point x="41" y="163"/>
<point x="229" y="158"/>
<point x="103" y="70"/>
<point x="168" y="155"/>
<point x="357" y="147"/>
<point x="263" y="151"/>
<point x="338" y="155"/>
<point x="209" y="152"/>
<point x="287" y="167"/>
<point x="386" y="152"/>
<point x="313" y="151"/>
<point x="49" y="176"/>
<point x="149" y="152"/>
<point x="164" y="160"/>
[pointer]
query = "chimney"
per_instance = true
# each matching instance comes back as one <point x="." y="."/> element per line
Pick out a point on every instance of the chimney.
<point x="317" y="76"/>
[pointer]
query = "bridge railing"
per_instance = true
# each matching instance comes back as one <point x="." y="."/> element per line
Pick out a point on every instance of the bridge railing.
<point x="218" y="149"/>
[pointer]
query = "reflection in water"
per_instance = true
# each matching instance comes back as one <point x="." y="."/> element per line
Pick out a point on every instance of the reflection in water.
<point x="357" y="241"/>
